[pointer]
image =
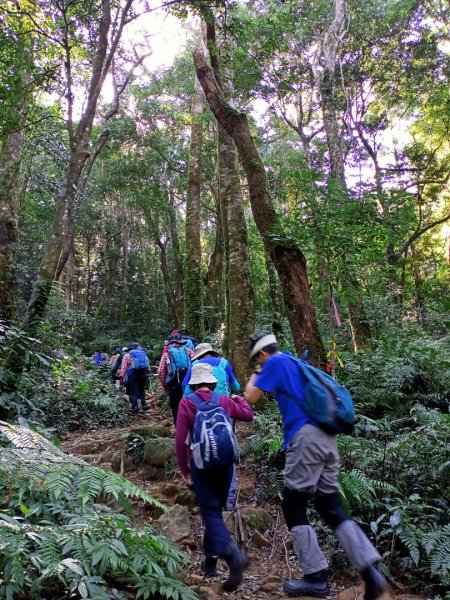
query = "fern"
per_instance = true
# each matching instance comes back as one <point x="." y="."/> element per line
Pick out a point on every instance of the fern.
<point x="356" y="489"/>
<point x="57" y="539"/>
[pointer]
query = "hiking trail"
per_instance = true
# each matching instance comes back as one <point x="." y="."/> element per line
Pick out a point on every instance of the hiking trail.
<point x="144" y="452"/>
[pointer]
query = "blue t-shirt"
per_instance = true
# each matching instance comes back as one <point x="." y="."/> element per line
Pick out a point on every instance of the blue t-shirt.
<point x="281" y="377"/>
<point x="214" y="361"/>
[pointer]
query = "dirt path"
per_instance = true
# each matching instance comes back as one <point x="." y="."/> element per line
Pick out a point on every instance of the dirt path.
<point x="258" y="526"/>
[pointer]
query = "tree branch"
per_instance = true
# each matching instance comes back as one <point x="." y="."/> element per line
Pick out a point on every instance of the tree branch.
<point x="395" y="257"/>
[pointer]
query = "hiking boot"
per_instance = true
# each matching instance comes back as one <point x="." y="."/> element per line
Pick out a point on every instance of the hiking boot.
<point x="237" y="562"/>
<point x="375" y="582"/>
<point x="208" y="565"/>
<point x="145" y="407"/>
<point x="313" y="584"/>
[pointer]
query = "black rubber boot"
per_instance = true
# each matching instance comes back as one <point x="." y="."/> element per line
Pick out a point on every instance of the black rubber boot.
<point x="375" y="582"/>
<point x="237" y="562"/>
<point x="208" y="565"/>
<point x="314" y="584"/>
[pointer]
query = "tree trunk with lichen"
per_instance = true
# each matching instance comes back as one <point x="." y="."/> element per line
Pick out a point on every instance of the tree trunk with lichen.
<point x="289" y="261"/>
<point x="177" y="259"/>
<point x="215" y="280"/>
<point x="275" y="296"/>
<point x="240" y="309"/>
<point x="193" y="284"/>
<point x="10" y="157"/>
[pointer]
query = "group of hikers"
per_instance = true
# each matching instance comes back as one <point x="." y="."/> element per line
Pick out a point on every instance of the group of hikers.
<point x="202" y="390"/>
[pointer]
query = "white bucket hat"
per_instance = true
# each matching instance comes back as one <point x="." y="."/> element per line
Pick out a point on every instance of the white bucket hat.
<point x="202" y="373"/>
<point x="201" y="350"/>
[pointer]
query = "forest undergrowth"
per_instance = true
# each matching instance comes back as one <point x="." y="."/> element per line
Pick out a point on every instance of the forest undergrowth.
<point x="395" y="476"/>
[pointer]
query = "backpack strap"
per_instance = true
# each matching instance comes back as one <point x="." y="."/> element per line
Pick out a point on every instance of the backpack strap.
<point x="215" y="398"/>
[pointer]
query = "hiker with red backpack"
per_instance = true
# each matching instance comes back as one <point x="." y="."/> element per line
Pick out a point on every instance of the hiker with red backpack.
<point x="226" y="384"/>
<point x="314" y="408"/>
<point x="206" y="450"/>
<point x="173" y="366"/>
<point x="134" y="373"/>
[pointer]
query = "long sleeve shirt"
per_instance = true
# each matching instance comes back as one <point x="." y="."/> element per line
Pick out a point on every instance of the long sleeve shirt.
<point x="126" y="363"/>
<point x="236" y="407"/>
<point x="163" y="366"/>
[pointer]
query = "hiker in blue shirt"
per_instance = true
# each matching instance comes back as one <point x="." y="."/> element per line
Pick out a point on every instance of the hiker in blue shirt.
<point x="101" y="359"/>
<point x="205" y="353"/>
<point x="311" y="470"/>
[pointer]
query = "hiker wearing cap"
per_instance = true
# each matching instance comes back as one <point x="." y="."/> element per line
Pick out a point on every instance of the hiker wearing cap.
<point x="134" y="371"/>
<point x="204" y="460"/>
<point x="173" y="366"/>
<point x="226" y="384"/>
<point x="222" y="369"/>
<point x="311" y="470"/>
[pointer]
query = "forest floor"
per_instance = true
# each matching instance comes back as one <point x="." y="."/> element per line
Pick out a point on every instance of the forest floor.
<point x="258" y="526"/>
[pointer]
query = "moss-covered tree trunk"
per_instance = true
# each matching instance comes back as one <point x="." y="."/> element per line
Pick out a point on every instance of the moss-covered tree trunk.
<point x="177" y="259"/>
<point x="289" y="261"/>
<point x="10" y="157"/>
<point x="276" y="298"/>
<point x="215" y="279"/>
<point x="240" y="313"/>
<point x="193" y="284"/>
<point x="168" y="291"/>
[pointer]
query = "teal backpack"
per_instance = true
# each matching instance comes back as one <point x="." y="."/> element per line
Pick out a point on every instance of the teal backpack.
<point x="220" y="374"/>
<point x="179" y="362"/>
<point x="328" y="403"/>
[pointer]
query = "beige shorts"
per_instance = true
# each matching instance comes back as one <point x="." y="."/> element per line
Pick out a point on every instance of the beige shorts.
<point x="312" y="461"/>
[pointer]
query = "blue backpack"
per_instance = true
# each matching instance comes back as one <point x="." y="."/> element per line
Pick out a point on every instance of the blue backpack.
<point x="213" y="441"/>
<point x="327" y="402"/>
<point x="179" y="360"/>
<point x="139" y="360"/>
<point x="220" y="374"/>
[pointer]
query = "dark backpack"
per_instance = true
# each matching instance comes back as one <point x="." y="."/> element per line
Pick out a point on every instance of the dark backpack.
<point x="327" y="402"/>
<point x="117" y="365"/>
<point x="213" y="442"/>
<point x="139" y="360"/>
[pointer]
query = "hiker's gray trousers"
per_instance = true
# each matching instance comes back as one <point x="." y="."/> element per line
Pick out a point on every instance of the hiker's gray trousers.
<point x="353" y="540"/>
<point x="312" y="466"/>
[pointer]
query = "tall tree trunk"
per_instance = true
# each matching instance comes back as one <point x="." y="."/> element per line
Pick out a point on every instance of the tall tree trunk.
<point x="79" y="139"/>
<point x="420" y="298"/>
<point x="215" y="279"/>
<point x="168" y="291"/>
<point x="177" y="257"/>
<point x="241" y="314"/>
<point x="193" y="284"/>
<point x="287" y="257"/>
<point x="326" y="79"/>
<point x="10" y="157"/>
<point x="11" y="189"/>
